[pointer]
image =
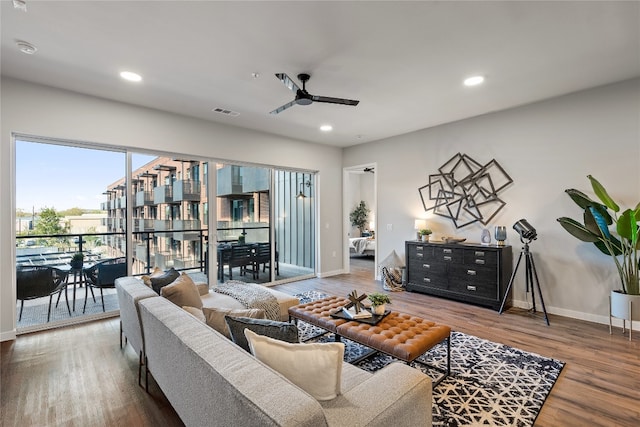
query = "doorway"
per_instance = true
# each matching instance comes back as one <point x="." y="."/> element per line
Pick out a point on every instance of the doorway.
<point x="360" y="242"/>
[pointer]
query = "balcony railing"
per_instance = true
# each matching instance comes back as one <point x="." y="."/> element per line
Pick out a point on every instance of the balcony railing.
<point x="163" y="194"/>
<point x="144" y="198"/>
<point x="186" y="190"/>
<point x="140" y="224"/>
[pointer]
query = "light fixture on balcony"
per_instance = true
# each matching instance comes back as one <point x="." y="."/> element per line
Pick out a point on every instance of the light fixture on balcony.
<point x="301" y="194"/>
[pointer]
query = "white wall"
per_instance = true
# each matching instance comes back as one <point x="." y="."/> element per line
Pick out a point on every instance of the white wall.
<point x="546" y="148"/>
<point x="360" y="187"/>
<point x="47" y="112"/>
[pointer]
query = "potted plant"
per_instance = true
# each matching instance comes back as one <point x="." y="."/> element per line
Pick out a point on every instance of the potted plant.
<point x="621" y="242"/>
<point x="359" y="215"/>
<point x="378" y="301"/>
<point x="424" y="234"/>
<point x="77" y="260"/>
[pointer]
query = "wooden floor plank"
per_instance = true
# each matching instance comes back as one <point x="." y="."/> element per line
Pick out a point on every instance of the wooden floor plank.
<point x="79" y="376"/>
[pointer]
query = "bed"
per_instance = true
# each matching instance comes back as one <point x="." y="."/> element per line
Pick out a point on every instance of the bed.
<point x="364" y="246"/>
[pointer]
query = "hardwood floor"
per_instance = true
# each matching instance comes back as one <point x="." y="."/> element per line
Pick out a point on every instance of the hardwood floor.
<point x="78" y="376"/>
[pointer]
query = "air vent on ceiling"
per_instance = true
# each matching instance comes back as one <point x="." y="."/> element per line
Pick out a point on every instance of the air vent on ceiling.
<point x="226" y="112"/>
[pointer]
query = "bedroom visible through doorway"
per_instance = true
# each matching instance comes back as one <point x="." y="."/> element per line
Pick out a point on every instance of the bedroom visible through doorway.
<point x="360" y="220"/>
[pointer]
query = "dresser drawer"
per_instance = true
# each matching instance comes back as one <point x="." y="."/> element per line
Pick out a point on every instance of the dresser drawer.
<point x="447" y="255"/>
<point x="431" y="280"/>
<point x="419" y="252"/>
<point x="479" y="257"/>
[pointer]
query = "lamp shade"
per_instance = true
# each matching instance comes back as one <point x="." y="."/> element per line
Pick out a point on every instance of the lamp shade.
<point x="419" y="224"/>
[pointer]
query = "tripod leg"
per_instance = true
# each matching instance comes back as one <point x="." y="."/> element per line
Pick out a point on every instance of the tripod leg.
<point x="529" y="280"/>
<point x="506" y="294"/>
<point x="535" y="273"/>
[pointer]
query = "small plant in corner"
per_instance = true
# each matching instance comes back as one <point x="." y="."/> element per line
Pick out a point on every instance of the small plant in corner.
<point x="378" y="298"/>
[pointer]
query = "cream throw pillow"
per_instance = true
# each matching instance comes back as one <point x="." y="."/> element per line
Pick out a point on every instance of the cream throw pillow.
<point x="182" y="291"/>
<point x="215" y="317"/>
<point x="315" y="368"/>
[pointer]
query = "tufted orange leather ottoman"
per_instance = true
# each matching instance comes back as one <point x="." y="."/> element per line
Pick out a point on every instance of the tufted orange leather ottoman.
<point x="319" y="312"/>
<point x="400" y="335"/>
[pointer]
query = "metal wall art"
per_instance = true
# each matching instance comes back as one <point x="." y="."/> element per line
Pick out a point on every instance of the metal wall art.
<point x="465" y="191"/>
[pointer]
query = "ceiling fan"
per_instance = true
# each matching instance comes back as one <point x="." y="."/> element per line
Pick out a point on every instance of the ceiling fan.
<point x="305" y="98"/>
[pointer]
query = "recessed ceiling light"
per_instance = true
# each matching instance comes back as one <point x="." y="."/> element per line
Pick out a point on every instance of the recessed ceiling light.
<point x="26" y="47"/>
<point x="326" y="128"/>
<point x="474" y="81"/>
<point x="132" y="77"/>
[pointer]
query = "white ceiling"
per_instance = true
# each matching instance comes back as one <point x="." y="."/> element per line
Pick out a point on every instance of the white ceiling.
<point x="404" y="61"/>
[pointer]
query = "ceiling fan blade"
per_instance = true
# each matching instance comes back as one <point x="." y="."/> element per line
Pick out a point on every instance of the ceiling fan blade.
<point x="288" y="82"/>
<point x="284" y="107"/>
<point x="334" y="100"/>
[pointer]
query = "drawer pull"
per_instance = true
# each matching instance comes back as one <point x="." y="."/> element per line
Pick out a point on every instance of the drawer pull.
<point x="426" y="265"/>
<point x="446" y="251"/>
<point x="419" y="248"/>
<point x="479" y="253"/>
<point x="471" y="288"/>
<point x="480" y="261"/>
<point x="419" y="255"/>
<point x="447" y="258"/>
<point x="471" y="272"/>
<point x="427" y="280"/>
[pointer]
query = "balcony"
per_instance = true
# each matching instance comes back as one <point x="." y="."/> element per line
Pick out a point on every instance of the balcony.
<point x="144" y="198"/>
<point x="162" y="224"/>
<point x="140" y="224"/>
<point x="163" y="194"/>
<point x="141" y="253"/>
<point x="186" y="190"/>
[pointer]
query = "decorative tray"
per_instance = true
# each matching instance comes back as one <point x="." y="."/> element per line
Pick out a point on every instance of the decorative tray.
<point x="447" y="239"/>
<point x="373" y="320"/>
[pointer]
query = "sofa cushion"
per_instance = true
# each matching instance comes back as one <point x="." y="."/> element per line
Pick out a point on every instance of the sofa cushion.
<point x="215" y="317"/>
<point x="316" y="368"/>
<point x="164" y="279"/>
<point x="182" y="292"/>
<point x="283" y="331"/>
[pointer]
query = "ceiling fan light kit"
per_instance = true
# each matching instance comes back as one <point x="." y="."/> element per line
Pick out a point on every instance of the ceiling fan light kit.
<point x="305" y="98"/>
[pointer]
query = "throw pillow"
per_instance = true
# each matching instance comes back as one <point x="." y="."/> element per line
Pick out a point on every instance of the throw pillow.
<point x="182" y="292"/>
<point x="195" y="312"/>
<point x="316" y="368"/>
<point x="157" y="283"/>
<point x="157" y="272"/>
<point x="203" y="288"/>
<point x="215" y="317"/>
<point x="282" y="331"/>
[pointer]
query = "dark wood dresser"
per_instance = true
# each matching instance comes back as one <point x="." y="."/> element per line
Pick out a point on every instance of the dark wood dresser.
<point x="471" y="273"/>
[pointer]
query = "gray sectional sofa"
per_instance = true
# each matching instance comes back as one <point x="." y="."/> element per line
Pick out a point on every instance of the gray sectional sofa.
<point x="209" y="380"/>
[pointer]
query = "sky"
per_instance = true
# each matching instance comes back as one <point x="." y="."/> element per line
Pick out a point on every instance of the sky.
<point x="64" y="177"/>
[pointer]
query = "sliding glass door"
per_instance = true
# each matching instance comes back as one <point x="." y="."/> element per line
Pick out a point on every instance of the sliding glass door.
<point x="251" y="247"/>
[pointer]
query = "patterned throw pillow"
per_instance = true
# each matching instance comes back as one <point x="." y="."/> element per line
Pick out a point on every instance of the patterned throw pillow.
<point x="283" y="331"/>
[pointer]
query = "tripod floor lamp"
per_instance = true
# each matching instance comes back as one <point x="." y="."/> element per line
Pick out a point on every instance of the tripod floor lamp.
<point x="527" y="235"/>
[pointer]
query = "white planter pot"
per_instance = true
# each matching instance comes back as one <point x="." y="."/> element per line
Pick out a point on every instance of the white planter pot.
<point x="378" y="309"/>
<point x="625" y="307"/>
<point x="425" y="237"/>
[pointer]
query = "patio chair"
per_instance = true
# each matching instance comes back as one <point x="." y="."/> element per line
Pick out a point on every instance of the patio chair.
<point x="40" y="281"/>
<point x="241" y="256"/>
<point x="103" y="276"/>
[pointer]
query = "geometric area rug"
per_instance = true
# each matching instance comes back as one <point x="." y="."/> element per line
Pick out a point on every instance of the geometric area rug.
<point x="490" y="384"/>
